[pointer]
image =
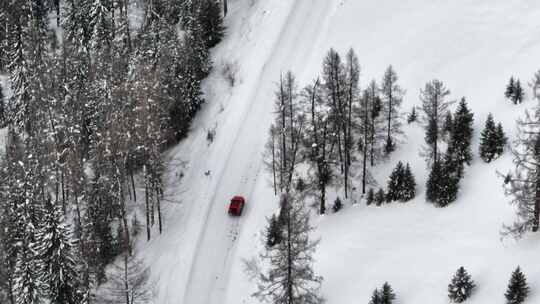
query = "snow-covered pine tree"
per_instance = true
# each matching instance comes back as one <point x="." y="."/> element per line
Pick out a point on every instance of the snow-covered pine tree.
<point x="375" y="297"/>
<point x="443" y="183"/>
<point x="58" y="262"/>
<point x="448" y="125"/>
<point x="517" y="288"/>
<point x="510" y="89"/>
<point x="461" y="286"/>
<point x="408" y="191"/>
<point x="518" y="93"/>
<point x="380" y="197"/>
<point x="338" y="205"/>
<point x="501" y="139"/>
<point x="273" y="232"/>
<point x="395" y="183"/>
<point x="433" y="185"/>
<point x="2" y="108"/>
<point x="387" y="295"/>
<point x="290" y="277"/>
<point x="211" y="22"/>
<point x="370" y="198"/>
<point x="462" y="132"/>
<point x="434" y="106"/>
<point x="412" y="116"/>
<point x="392" y="97"/>
<point x="488" y="140"/>
<point x="535" y="85"/>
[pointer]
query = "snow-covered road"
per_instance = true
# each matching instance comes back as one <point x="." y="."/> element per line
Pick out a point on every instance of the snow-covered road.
<point x="242" y="159"/>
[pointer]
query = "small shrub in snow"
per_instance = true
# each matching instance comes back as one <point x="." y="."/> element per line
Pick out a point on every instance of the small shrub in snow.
<point x="273" y="232"/>
<point x="385" y="295"/>
<point x="375" y="297"/>
<point x="514" y="91"/>
<point x="517" y="288"/>
<point x="211" y="135"/>
<point x="370" y="196"/>
<point x="412" y="116"/>
<point x="461" y="286"/>
<point x="337" y="205"/>
<point x="229" y="72"/>
<point x="380" y="197"/>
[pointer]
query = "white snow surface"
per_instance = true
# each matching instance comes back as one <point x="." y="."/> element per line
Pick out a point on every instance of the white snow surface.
<point x="474" y="46"/>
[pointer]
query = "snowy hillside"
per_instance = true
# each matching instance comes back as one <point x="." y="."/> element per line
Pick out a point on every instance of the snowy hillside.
<point x="473" y="46"/>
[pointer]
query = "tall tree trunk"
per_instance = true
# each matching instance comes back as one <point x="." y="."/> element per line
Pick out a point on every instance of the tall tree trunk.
<point x="537" y="206"/>
<point x="158" y="203"/>
<point x="390" y="99"/>
<point x="283" y="136"/>
<point x="274" y="162"/>
<point x="289" y="254"/>
<point x="147" y="211"/>
<point x="126" y="279"/>
<point x="365" y="148"/>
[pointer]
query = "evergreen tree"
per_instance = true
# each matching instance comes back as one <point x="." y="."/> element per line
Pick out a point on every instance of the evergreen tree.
<point x="375" y="297"/>
<point x="273" y="232"/>
<point x="443" y="184"/>
<point x="412" y="116"/>
<point x="510" y="89"/>
<point x="461" y="286"/>
<point x="518" y="93"/>
<point x="461" y="133"/>
<point x="517" y="288"/>
<point x="2" y="109"/>
<point x="370" y="196"/>
<point x="290" y="277"/>
<point x="338" y="205"/>
<point x="408" y="191"/>
<point x="401" y="185"/>
<point x="433" y="185"/>
<point x="501" y="139"/>
<point x="380" y="197"/>
<point x="448" y="124"/>
<point x="59" y="267"/>
<point x="211" y="22"/>
<point x="395" y="183"/>
<point x="387" y="294"/>
<point x="492" y="140"/>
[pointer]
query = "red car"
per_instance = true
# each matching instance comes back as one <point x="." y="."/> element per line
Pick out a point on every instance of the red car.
<point x="237" y="205"/>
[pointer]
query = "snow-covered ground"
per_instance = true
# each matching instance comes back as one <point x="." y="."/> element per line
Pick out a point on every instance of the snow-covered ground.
<point x="474" y="46"/>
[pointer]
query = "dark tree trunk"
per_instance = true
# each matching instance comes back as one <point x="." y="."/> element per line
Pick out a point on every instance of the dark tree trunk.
<point x="147" y="211"/>
<point x="158" y="202"/>
<point x="289" y="254"/>
<point x="537" y="206"/>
